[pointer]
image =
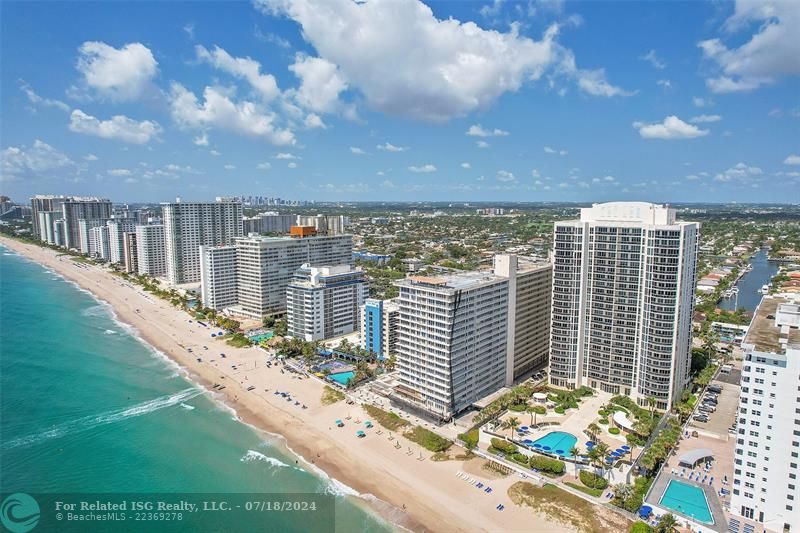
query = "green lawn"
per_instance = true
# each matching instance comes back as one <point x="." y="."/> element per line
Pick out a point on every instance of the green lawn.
<point x="587" y="490"/>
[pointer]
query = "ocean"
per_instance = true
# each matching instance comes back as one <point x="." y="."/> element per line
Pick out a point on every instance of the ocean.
<point x="86" y="407"/>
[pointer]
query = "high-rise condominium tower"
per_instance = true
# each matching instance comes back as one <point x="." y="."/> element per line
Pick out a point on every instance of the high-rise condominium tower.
<point x="189" y="225"/>
<point x="766" y="487"/>
<point x="623" y="297"/>
<point x="76" y="209"/>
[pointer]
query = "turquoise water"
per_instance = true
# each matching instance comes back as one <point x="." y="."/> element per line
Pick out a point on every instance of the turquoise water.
<point x="261" y="337"/>
<point x="342" y="377"/>
<point x="687" y="500"/>
<point x="560" y="442"/>
<point x="86" y="407"/>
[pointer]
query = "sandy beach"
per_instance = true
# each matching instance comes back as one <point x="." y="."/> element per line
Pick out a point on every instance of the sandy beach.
<point x="419" y="495"/>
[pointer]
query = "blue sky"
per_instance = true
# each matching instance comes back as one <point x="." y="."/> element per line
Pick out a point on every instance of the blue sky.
<point x="402" y="100"/>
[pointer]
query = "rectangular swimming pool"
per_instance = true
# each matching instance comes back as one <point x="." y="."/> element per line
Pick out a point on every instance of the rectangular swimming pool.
<point x="342" y="377"/>
<point x="687" y="500"/>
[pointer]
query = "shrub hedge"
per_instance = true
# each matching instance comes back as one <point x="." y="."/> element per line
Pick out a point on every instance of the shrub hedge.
<point x="545" y="464"/>
<point x="592" y="480"/>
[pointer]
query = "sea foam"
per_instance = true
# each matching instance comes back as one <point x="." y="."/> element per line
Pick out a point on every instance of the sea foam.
<point x="92" y="421"/>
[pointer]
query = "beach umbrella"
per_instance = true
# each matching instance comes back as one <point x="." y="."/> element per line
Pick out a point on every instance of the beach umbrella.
<point x="546" y="448"/>
<point x="645" y="510"/>
<point x="625" y="447"/>
<point x="589" y="444"/>
<point x="560" y="451"/>
<point x="537" y="445"/>
<point x="524" y="428"/>
<point x="527" y="441"/>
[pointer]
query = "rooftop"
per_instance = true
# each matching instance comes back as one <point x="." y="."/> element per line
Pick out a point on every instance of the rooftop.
<point x="774" y="325"/>
<point x="461" y="280"/>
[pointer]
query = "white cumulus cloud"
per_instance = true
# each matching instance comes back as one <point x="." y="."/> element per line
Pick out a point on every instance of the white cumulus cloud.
<point x="118" y="127"/>
<point x="389" y="147"/>
<point x="407" y="62"/>
<point x="670" y="128"/>
<point x="423" y="169"/>
<point x="22" y="162"/>
<point x="242" y="68"/>
<point x="741" y="173"/>
<point x="770" y="54"/>
<point x="476" y="130"/>
<point x="466" y="165"/>
<point x="321" y="82"/>
<point x="505" y="176"/>
<point x="792" y="160"/>
<point x="119" y="74"/>
<point x="357" y="151"/>
<point x="218" y="110"/>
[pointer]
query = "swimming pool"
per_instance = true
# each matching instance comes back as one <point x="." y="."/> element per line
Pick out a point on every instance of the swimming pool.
<point x="687" y="500"/>
<point x="556" y="442"/>
<point x="261" y="337"/>
<point x="342" y="377"/>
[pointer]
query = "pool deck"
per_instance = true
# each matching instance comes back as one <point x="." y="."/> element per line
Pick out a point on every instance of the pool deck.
<point x="714" y="504"/>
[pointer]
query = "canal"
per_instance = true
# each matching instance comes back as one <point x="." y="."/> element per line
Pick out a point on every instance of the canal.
<point x="751" y="283"/>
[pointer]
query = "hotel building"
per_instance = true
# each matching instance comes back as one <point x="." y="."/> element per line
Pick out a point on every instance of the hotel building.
<point x="151" y="250"/>
<point x="767" y="454"/>
<point x="324" y="302"/>
<point x="451" y="348"/>
<point x="189" y="225"/>
<point x="379" y="321"/>
<point x="623" y="297"/>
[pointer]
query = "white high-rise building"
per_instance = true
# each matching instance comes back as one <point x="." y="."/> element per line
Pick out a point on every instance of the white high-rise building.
<point x="117" y="228"/>
<point x="451" y="348"/>
<point x="325" y="224"/>
<point x="151" y="250"/>
<point x="84" y="237"/>
<point x="45" y="203"/>
<point x="218" y="277"/>
<point x="75" y="209"/>
<point x="765" y="477"/>
<point x="323" y="302"/>
<point x="99" y="246"/>
<point x="189" y="225"/>
<point x="623" y="298"/>
<point x="529" y="288"/>
<point x="266" y="264"/>
<point x="47" y="226"/>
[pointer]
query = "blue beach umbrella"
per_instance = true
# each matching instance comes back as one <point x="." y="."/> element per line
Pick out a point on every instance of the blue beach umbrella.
<point x="537" y="445"/>
<point x="589" y="444"/>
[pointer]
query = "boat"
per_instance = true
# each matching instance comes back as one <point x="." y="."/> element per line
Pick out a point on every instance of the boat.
<point x="764" y="289"/>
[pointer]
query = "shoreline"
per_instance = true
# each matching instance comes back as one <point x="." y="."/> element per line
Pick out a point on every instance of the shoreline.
<point x="406" y="493"/>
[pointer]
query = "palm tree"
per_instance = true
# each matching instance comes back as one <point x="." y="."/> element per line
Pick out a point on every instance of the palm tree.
<point x="651" y="403"/>
<point x="593" y="430"/>
<point x="622" y="491"/>
<point x="531" y="411"/>
<point x="513" y="423"/>
<point x="602" y="452"/>
<point x="574" y="452"/>
<point x="667" y="524"/>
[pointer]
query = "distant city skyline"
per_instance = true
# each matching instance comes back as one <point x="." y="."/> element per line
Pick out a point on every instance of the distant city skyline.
<point x="492" y="101"/>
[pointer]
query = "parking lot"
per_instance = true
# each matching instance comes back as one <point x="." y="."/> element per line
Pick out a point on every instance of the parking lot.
<point x="727" y="402"/>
